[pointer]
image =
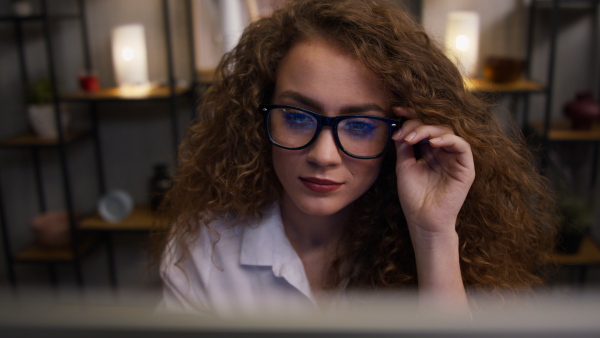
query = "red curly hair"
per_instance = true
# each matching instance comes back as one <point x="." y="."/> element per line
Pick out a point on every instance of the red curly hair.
<point x="506" y="225"/>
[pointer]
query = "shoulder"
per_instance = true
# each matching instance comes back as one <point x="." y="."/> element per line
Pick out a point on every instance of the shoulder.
<point x="216" y="245"/>
<point x="186" y="270"/>
<point x="207" y="272"/>
<point x="220" y="236"/>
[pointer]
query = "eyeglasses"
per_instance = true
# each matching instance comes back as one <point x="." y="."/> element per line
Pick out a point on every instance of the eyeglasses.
<point x="359" y="136"/>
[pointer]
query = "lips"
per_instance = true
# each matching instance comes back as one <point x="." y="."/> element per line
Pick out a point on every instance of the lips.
<point x="320" y="185"/>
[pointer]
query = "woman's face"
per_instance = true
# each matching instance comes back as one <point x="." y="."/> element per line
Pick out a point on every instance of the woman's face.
<point x="321" y="179"/>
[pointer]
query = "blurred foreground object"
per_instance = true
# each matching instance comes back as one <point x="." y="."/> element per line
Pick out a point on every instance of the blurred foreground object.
<point x="375" y="315"/>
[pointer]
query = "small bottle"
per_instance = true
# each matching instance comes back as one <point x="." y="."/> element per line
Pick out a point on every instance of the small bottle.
<point x="160" y="183"/>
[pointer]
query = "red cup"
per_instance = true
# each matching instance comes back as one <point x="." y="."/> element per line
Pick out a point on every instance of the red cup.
<point x="89" y="83"/>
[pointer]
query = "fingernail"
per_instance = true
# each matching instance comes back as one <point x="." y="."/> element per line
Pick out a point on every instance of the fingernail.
<point x="411" y="136"/>
<point x="397" y="134"/>
<point x="435" y="140"/>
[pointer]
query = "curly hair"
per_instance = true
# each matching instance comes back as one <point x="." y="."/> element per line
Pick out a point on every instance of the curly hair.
<point x="506" y="225"/>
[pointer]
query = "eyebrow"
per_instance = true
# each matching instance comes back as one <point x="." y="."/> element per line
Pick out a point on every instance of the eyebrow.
<point x="314" y="105"/>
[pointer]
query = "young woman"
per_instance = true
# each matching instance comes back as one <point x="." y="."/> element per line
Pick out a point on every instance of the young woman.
<point x="339" y="150"/>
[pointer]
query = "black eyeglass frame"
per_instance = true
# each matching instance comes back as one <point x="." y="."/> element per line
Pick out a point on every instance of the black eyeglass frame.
<point x="329" y="122"/>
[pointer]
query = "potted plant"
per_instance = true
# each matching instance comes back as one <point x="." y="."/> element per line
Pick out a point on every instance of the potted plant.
<point x="575" y="220"/>
<point x="576" y="212"/>
<point x="40" y="110"/>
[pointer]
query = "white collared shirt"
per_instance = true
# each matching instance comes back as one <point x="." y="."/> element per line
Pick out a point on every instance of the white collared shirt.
<point x="252" y="268"/>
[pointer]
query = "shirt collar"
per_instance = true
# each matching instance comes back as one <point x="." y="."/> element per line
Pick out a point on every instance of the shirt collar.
<point x="266" y="244"/>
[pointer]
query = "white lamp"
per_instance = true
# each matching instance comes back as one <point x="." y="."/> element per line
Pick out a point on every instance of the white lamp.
<point x="462" y="40"/>
<point x="130" y="59"/>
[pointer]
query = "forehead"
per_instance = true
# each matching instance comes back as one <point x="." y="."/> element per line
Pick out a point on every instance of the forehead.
<point x="326" y="74"/>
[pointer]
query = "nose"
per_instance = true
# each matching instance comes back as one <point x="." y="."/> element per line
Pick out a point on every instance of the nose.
<point x="324" y="152"/>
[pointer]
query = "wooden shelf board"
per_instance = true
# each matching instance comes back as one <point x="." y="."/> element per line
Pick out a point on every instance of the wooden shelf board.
<point x="37" y="253"/>
<point x="522" y="85"/>
<point x="32" y="140"/>
<point x="107" y="94"/>
<point x="588" y="254"/>
<point x="141" y="219"/>
<point x="561" y="131"/>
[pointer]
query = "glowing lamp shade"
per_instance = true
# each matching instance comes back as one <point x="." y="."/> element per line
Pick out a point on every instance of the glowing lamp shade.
<point x="130" y="59"/>
<point x="462" y="40"/>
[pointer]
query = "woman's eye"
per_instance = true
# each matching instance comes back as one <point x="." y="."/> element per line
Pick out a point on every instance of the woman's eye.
<point x="299" y="121"/>
<point x="359" y="129"/>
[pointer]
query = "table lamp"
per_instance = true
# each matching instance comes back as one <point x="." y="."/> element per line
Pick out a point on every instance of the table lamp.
<point x="462" y="40"/>
<point x="130" y="59"/>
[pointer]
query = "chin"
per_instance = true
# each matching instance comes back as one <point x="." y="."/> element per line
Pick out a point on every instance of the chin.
<point x="320" y="207"/>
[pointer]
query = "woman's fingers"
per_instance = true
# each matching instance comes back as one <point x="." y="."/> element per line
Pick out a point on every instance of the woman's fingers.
<point x="438" y="138"/>
<point x="414" y="131"/>
<point x="405" y="155"/>
<point x="456" y="146"/>
<point x="450" y="143"/>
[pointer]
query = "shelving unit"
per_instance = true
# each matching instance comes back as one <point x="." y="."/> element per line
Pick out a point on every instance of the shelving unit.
<point x="560" y="132"/>
<point x="142" y="219"/>
<point x="28" y="141"/>
<point x="92" y="226"/>
<point x="554" y="133"/>
<point x="519" y="91"/>
<point x="549" y="131"/>
<point x="155" y="94"/>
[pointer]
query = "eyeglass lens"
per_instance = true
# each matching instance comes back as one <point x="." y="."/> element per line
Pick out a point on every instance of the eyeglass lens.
<point x="359" y="136"/>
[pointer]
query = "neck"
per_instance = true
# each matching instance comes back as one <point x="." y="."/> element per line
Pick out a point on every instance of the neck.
<point x="309" y="232"/>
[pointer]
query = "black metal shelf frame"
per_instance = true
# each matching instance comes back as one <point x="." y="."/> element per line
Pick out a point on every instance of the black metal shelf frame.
<point x="62" y="142"/>
<point x="172" y="98"/>
<point x="555" y="7"/>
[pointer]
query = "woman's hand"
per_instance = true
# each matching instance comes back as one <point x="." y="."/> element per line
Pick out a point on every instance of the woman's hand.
<point x="433" y="188"/>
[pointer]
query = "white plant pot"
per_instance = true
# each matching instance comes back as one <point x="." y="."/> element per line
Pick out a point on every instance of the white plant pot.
<point x="41" y="118"/>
